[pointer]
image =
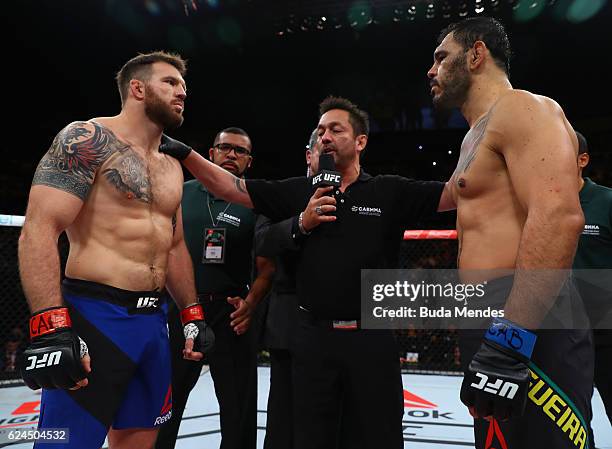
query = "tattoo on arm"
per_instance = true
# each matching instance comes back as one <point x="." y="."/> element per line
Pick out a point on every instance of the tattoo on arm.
<point x="75" y="155"/>
<point x="240" y="185"/>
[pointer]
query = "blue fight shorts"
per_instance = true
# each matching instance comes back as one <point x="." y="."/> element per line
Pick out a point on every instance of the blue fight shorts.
<point x="130" y="379"/>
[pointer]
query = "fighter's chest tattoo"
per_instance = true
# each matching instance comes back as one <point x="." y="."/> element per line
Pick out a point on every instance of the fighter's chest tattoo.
<point x="470" y="145"/>
<point x="129" y="174"/>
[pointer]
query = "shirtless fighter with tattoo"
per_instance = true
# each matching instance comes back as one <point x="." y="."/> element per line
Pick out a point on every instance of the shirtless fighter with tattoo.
<point x="99" y="343"/>
<point x="516" y="192"/>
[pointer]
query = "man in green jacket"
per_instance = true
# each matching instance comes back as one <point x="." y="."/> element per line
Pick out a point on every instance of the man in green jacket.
<point x="219" y="236"/>
<point x="593" y="255"/>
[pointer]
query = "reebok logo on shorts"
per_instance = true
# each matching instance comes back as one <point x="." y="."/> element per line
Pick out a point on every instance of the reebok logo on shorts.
<point x="162" y="419"/>
<point x="166" y="411"/>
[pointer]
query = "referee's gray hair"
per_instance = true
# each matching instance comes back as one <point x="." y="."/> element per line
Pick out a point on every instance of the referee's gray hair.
<point x="313" y="139"/>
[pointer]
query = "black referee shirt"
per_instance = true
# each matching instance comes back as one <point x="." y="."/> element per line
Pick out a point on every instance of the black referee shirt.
<point x="372" y="215"/>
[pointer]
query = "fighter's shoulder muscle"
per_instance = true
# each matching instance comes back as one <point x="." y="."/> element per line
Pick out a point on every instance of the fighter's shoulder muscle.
<point x="520" y="107"/>
<point x="519" y="113"/>
<point x="75" y="155"/>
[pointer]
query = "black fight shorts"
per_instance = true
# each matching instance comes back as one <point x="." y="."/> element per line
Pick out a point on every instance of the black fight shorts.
<point x="558" y="410"/>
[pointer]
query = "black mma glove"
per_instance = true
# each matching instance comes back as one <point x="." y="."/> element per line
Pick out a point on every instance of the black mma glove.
<point x="497" y="380"/>
<point x="174" y="148"/>
<point x="195" y="327"/>
<point x="53" y="358"/>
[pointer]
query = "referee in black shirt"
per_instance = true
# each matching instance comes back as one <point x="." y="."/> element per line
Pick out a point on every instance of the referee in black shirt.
<point x="336" y="364"/>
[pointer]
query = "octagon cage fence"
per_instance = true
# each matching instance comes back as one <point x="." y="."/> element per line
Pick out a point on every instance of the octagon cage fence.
<point x="421" y="351"/>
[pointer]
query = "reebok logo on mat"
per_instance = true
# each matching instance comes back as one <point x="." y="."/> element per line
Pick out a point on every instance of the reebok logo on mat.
<point x="411" y="400"/>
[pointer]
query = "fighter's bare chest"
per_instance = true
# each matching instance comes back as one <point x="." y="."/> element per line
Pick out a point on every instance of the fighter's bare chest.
<point x="130" y="177"/>
<point x="479" y="167"/>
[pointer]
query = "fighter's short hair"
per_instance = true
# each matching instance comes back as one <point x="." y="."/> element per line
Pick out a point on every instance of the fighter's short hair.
<point x="140" y="67"/>
<point x="487" y="30"/>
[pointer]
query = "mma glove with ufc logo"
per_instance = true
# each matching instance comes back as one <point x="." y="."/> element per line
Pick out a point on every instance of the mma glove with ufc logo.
<point x="497" y="380"/>
<point x="53" y="358"/>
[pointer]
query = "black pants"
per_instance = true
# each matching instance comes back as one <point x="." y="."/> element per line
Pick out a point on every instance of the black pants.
<point x="233" y="367"/>
<point x="355" y="371"/>
<point x="279" y="422"/>
<point x="562" y="369"/>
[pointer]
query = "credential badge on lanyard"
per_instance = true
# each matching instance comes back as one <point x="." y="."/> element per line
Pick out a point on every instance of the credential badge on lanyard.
<point x="215" y="238"/>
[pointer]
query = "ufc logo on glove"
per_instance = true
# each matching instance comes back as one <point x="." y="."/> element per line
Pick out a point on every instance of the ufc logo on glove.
<point x="504" y="355"/>
<point x="499" y="387"/>
<point x="48" y="359"/>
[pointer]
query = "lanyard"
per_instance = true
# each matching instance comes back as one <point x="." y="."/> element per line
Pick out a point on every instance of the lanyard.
<point x="210" y="213"/>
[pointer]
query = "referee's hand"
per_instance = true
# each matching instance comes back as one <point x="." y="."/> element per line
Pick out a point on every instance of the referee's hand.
<point x="318" y="208"/>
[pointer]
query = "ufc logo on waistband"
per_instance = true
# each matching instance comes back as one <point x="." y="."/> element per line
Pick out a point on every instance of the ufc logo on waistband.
<point x="48" y="359"/>
<point x="145" y="301"/>
<point x="499" y="387"/>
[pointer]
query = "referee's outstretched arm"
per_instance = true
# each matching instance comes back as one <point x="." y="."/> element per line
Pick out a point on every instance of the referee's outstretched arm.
<point x="217" y="180"/>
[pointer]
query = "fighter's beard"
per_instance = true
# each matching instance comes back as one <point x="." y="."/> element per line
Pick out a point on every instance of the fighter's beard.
<point x="162" y="114"/>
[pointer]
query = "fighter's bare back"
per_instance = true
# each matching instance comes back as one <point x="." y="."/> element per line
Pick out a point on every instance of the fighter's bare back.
<point x="124" y="230"/>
